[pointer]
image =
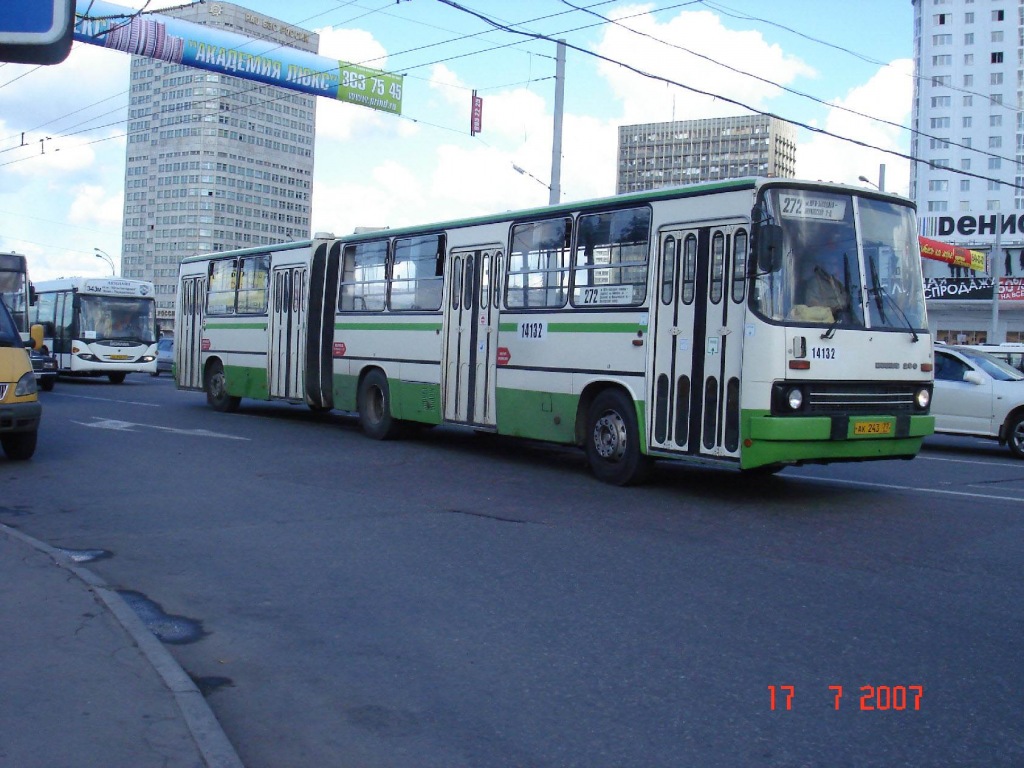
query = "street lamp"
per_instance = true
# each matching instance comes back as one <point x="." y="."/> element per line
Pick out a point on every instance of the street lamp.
<point x="866" y="180"/>
<point x="101" y="254"/>
<point x="524" y="172"/>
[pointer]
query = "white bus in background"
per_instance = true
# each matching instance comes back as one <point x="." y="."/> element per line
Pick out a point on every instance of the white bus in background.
<point x="98" y="326"/>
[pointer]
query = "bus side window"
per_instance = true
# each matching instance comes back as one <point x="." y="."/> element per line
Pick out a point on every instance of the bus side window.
<point x="611" y="258"/>
<point x="220" y="292"/>
<point x="363" y="278"/>
<point x="538" y="264"/>
<point x="254" y="276"/>
<point x="416" y="273"/>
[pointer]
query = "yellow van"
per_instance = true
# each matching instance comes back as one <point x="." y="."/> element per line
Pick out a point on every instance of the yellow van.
<point x="20" y="411"/>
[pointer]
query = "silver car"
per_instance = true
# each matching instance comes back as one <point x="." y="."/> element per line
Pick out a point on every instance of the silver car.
<point x="164" y="355"/>
<point x="978" y="394"/>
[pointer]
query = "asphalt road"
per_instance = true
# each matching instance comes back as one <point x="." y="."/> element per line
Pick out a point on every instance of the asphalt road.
<point x="462" y="600"/>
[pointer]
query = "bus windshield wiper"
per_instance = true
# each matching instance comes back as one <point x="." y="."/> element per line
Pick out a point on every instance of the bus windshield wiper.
<point x="881" y="295"/>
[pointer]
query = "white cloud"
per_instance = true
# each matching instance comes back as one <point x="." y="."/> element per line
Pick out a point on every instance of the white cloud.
<point x="659" y="51"/>
<point x="887" y="96"/>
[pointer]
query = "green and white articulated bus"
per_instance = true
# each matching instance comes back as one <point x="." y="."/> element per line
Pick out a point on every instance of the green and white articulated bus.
<point x="660" y="325"/>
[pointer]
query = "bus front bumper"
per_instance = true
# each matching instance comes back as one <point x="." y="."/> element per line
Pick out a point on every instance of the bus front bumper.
<point x="779" y="439"/>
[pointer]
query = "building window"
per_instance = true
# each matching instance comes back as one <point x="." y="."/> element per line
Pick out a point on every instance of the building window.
<point x="937" y="206"/>
<point x="997" y="37"/>
<point x="969" y="38"/>
<point x="967" y="121"/>
<point x="968" y="101"/>
<point x="969" y="18"/>
<point x="965" y="185"/>
<point x="995" y="120"/>
<point x="938" y="185"/>
<point x="995" y="142"/>
<point x="992" y="205"/>
<point x="994" y="163"/>
<point x="997" y="15"/>
<point x="968" y="59"/>
<point x="943" y="39"/>
<point x="968" y="81"/>
<point x="941" y="101"/>
<point x="943" y="60"/>
<point x="940" y="122"/>
<point x="997" y="57"/>
<point x="995" y="78"/>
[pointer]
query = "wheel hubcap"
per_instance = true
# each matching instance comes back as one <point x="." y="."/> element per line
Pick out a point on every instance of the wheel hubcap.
<point x="610" y="436"/>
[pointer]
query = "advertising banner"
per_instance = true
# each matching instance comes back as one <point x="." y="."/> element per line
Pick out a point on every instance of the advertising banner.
<point x="217" y="50"/>
<point x="952" y="254"/>
<point x="972" y="288"/>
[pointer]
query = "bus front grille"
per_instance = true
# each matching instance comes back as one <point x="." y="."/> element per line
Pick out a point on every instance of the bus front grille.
<point x="853" y="397"/>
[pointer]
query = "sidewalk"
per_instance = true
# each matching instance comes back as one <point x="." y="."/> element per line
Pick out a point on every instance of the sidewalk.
<point x="84" y="683"/>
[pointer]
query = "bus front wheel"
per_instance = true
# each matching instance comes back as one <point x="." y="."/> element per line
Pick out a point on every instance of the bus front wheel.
<point x="375" y="408"/>
<point x="217" y="390"/>
<point x="613" y="440"/>
<point x="116" y="378"/>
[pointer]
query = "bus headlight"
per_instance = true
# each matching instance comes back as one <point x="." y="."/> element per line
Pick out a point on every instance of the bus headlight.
<point x="26" y="385"/>
<point x="89" y="356"/>
<point x="922" y="398"/>
<point x="795" y="398"/>
<point x="147" y="359"/>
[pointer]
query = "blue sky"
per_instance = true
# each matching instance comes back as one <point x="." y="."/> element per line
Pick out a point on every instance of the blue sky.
<point x="61" y="194"/>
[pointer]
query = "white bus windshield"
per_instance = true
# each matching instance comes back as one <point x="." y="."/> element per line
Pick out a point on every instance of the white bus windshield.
<point x="118" y="318"/>
<point x="847" y="261"/>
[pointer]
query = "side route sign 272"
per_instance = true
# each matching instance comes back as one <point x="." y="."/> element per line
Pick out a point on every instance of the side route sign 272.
<point x="36" y="31"/>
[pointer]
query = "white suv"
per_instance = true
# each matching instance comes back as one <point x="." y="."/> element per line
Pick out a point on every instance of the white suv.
<point x="978" y="394"/>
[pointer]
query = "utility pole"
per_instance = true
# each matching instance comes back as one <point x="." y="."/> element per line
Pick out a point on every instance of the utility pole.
<point x="556" y="140"/>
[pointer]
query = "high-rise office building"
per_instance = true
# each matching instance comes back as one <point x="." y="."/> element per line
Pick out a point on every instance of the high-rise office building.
<point x="969" y="143"/>
<point x="213" y="162"/>
<point x="653" y="155"/>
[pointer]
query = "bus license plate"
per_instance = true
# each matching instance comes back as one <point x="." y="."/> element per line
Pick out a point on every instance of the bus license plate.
<point x="872" y="428"/>
<point x="119" y="357"/>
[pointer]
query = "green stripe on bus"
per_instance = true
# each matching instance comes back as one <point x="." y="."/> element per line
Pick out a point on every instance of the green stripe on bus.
<point x="235" y="326"/>
<point x="582" y="327"/>
<point x="379" y="326"/>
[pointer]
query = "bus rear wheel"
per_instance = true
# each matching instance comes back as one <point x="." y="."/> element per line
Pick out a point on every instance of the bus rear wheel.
<point x="217" y="390"/>
<point x="375" y="408"/>
<point x="613" y="440"/>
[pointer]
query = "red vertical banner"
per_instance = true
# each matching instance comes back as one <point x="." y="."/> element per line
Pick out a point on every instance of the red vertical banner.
<point x="477" y="115"/>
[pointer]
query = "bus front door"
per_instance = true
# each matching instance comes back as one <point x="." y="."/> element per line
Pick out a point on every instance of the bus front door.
<point x="286" y="356"/>
<point x="698" y="335"/>
<point x="471" y="333"/>
<point x="188" y="342"/>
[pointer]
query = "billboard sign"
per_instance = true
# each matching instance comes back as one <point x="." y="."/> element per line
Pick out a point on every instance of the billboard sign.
<point x="217" y="50"/>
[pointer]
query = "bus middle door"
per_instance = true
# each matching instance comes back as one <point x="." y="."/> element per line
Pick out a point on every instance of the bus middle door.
<point x="188" y="344"/>
<point x="285" y="360"/>
<point x="470" y="351"/>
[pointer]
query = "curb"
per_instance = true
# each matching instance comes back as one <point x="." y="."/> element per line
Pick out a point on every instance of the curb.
<point x="213" y="743"/>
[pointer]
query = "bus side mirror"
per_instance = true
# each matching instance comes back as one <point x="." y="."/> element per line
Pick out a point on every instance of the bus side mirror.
<point x="36" y="334"/>
<point x="769" y="248"/>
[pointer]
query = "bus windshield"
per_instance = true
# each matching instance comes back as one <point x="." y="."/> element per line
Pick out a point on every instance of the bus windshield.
<point x="847" y="261"/>
<point x="9" y="336"/>
<point x="118" y="318"/>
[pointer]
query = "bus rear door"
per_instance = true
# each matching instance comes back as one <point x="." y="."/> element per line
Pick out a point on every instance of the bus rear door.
<point x="471" y="333"/>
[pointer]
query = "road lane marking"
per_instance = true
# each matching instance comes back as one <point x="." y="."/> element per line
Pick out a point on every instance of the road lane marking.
<point x="104" y="399"/>
<point x="891" y="487"/>
<point x="130" y="426"/>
